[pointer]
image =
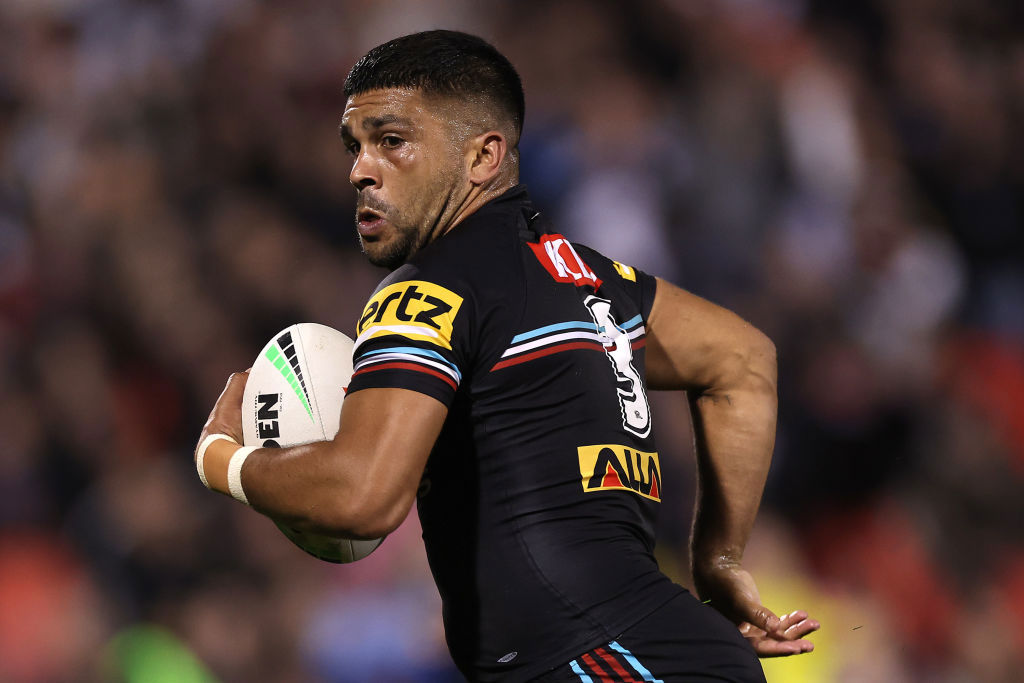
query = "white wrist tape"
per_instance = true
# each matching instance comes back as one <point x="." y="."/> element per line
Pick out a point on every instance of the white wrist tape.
<point x="201" y="454"/>
<point x="235" y="473"/>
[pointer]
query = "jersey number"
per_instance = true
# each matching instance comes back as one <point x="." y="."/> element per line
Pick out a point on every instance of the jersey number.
<point x="636" y="412"/>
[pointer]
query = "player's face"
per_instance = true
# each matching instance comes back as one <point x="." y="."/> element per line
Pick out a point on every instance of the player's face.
<point x="408" y="169"/>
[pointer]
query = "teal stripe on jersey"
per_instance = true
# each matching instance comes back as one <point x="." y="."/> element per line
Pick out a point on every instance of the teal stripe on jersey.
<point x="574" y="325"/>
<point x="635" y="663"/>
<point x="635" y="320"/>
<point x="578" y="670"/>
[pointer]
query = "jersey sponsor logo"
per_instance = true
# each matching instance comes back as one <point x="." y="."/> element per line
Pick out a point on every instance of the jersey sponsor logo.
<point x="559" y="258"/>
<point x="624" y="271"/>
<point x="610" y="467"/>
<point x="636" y="412"/>
<point x="413" y="309"/>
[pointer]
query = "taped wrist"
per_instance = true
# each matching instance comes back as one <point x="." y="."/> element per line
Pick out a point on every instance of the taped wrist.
<point x="232" y="464"/>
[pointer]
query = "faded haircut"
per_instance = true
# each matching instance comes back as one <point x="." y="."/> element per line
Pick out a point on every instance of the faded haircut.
<point x="447" y="64"/>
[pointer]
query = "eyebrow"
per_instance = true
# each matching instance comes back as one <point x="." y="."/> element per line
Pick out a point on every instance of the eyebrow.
<point x="384" y="120"/>
<point x="373" y="122"/>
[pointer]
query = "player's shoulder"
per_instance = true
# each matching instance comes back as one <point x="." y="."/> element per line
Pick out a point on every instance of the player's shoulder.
<point x="617" y="281"/>
<point x="608" y="268"/>
<point x="459" y="276"/>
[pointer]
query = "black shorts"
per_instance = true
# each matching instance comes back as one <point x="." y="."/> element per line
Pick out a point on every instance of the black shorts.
<point x="683" y="640"/>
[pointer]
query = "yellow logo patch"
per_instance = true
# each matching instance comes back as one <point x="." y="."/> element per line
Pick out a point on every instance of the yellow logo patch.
<point x="414" y="309"/>
<point x="624" y="271"/>
<point x="609" y="467"/>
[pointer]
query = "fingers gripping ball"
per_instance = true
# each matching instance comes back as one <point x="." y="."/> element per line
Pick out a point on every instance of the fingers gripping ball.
<point x="293" y="396"/>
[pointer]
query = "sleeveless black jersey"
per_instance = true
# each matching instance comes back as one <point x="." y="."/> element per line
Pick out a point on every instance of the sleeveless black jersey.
<point x="538" y="500"/>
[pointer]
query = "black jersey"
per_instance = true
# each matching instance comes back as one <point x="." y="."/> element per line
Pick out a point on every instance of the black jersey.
<point x="538" y="501"/>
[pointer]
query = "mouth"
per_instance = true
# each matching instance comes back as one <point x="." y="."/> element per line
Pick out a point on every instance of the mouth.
<point x="369" y="222"/>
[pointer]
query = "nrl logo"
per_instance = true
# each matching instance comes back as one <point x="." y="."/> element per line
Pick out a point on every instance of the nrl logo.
<point x="559" y="258"/>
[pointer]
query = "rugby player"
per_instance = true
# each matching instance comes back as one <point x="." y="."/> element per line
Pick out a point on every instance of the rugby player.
<point x="501" y="379"/>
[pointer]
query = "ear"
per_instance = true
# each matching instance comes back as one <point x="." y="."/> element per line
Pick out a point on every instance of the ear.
<point x="484" y="156"/>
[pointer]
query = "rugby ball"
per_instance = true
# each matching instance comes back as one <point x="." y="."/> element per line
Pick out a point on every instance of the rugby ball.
<point x="293" y="396"/>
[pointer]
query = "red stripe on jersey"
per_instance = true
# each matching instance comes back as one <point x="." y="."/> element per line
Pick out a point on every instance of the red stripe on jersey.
<point x="614" y="664"/>
<point x="407" y="366"/>
<point x="558" y="348"/>
<point x="639" y="343"/>
<point x="597" y="670"/>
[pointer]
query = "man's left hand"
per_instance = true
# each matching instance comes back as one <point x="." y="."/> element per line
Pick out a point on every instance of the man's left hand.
<point x="731" y="590"/>
<point x="787" y="638"/>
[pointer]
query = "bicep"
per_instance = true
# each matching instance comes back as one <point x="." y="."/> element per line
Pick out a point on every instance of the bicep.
<point x="394" y="431"/>
<point x="694" y="344"/>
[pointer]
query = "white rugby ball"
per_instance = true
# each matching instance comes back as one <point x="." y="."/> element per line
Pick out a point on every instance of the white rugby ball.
<point x="293" y="396"/>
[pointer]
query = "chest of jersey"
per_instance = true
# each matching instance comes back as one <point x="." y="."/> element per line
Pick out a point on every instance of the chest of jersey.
<point x="563" y="413"/>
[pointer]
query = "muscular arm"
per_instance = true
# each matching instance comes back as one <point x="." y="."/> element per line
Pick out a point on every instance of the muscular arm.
<point x="359" y="485"/>
<point x="728" y="369"/>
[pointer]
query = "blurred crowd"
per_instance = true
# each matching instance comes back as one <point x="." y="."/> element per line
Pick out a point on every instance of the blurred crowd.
<point x="849" y="176"/>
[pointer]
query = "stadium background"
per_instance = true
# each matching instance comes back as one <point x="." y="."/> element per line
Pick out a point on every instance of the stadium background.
<point x="848" y="176"/>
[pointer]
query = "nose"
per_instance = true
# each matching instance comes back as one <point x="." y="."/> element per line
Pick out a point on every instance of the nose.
<point x="364" y="172"/>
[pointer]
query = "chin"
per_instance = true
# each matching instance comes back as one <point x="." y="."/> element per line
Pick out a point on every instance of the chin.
<point x="385" y="255"/>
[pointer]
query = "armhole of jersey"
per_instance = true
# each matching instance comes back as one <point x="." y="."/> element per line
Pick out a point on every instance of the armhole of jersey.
<point x="646" y="306"/>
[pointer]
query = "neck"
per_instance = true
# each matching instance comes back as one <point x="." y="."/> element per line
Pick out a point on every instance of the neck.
<point x="479" y="195"/>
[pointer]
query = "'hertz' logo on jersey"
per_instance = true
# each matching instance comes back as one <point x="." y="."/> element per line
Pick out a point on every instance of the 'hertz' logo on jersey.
<point x="558" y="257"/>
<point x="414" y="309"/>
<point x="607" y="467"/>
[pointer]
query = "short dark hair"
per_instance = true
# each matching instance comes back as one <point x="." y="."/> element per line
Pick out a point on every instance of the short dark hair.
<point x="444" y="63"/>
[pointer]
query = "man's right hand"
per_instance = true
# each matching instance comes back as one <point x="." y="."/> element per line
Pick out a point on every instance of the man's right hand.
<point x="226" y="416"/>
<point x="225" y="419"/>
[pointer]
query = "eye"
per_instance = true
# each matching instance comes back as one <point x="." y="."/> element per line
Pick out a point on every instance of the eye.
<point x="352" y="147"/>
<point x="391" y="141"/>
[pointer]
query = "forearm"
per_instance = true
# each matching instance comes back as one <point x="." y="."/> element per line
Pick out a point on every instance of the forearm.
<point x="316" y="487"/>
<point x="728" y="369"/>
<point x="734" y="429"/>
<point x="360" y="485"/>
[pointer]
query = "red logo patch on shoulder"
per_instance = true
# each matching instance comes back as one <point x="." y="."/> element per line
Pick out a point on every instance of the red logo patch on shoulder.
<point x="558" y="257"/>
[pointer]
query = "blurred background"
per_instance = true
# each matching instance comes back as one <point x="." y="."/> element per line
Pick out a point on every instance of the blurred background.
<point x="849" y="176"/>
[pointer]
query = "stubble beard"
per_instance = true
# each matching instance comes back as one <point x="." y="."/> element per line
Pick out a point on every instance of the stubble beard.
<point x="410" y="236"/>
<point x="406" y="241"/>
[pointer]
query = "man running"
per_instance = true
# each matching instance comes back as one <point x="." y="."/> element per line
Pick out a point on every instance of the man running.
<point x="501" y="381"/>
